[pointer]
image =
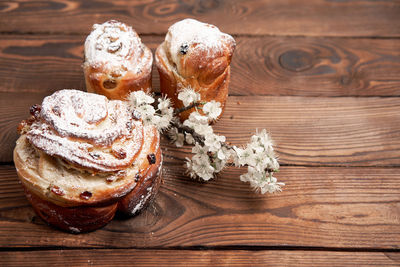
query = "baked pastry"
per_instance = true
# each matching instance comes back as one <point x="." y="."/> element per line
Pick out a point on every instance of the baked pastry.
<point x="116" y="61"/>
<point x="82" y="157"/>
<point x="196" y="55"/>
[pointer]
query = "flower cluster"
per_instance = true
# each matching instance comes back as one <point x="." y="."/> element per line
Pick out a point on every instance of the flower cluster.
<point x="261" y="162"/>
<point x="160" y="117"/>
<point x="210" y="151"/>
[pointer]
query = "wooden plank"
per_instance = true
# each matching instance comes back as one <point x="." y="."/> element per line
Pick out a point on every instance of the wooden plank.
<point x="341" y="131"/>
<point x="327" y="207"/>
<point x="127" y="257"/>
<point x="261" y="65"/>
<point x="306" y="17"/>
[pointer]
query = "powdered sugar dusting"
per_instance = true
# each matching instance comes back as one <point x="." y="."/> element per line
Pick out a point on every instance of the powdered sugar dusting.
<point x="115" y="46"/>
<point x="188" y="32"/>
<point x="87" y="130"/>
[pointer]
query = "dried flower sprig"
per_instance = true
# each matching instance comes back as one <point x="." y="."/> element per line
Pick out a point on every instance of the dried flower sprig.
<point x="210" y="151"/>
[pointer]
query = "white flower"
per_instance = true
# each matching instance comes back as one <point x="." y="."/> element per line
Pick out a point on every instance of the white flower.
<point x="219" y="164"/>
<point x="146" y="110"/>
<point x="251" y="175"/>
<point x="270" y="185"/>
<point x="188" y="96"/>
<point x="262" y="139"/>
<point x="176" y="137"/>
<point x="197" y="118"/>
<point x="189" y="168"/>
<point x="199" y="150"/>
<point x="212" y="109"/>
<point x="189" y="124"/>
<point x="139" y="97"/>
<point x="260" y="182"/>
<point x="274" y="165"/>
<point x="164" y="104"/>
<point x="149" y="119"/>
<point x="147" y="113"/>
<point x="262" y="161"/>
<point x="202" y="167"/>
<point x="163" y="122"/>
<point x="202" y="129"/>
<point x="221" y="154"/>
<point x="189" y="139"/>
<point x="244" y="156"/>
<point x="213" y="141"/>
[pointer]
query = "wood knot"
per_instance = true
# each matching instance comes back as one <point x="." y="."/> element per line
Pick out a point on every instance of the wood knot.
<point x="296" y="60"/>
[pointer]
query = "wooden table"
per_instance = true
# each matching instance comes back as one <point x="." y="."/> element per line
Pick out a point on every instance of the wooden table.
<point x="322" y="76"/>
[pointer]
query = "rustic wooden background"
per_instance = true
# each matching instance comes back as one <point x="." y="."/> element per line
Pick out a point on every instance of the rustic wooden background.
<point x="323" y="76"/>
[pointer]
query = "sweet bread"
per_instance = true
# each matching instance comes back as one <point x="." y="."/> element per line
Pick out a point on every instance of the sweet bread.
<point x="81" y="158"/>
<point x="116" y="61"/>
<point x="195" y="55"/>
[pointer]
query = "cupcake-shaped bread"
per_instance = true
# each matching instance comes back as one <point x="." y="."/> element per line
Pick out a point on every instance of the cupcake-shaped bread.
<point x="82" y="157"/>
<point x="195" y="55"/>
<point x="116" y="61"/>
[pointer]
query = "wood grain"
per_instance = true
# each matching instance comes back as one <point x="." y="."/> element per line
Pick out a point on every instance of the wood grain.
<point x="150" y="257"/>
<point x="306" y="17"/>
<point x="341" y="131"/>
<point x="319" y="207"/>
<point x="261" y="65"/>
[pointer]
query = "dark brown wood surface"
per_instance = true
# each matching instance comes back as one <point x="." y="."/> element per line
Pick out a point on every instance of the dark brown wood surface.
<point x="330" y="207"/>
<point x="293" y="17"/>
<point x="290" y="66"/>
<point x="322" y="76"/>
<point x="129" y="257"/>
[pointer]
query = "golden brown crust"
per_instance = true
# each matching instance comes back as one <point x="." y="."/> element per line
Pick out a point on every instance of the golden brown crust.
<point x="205" y="69"/>
<point x="88" y="218"/>
<point x="97" y="80"/>
<point x="85" y="218"/>
<point x="72" y="219"/>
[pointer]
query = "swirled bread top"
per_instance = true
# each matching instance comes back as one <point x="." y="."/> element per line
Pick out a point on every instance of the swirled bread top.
<point x="115" y="47"/>
<point x="87" y="130"/>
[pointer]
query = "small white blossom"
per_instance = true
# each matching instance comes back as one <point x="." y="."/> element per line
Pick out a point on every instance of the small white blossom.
<point x="176" y="137"/>
<point x="163" y="122"/>
<point x="219" y="164"/>
<point x="202" y="167"/>
<point x="213" y="141"/>
<point x="139" y="97"/>
<point x="197" y="118"/>
<point x="244" y="156"/>
<point x="146" y="110"/>
<point x="212" y="109"/>
<point x="188" y="96"/>
<point x="199" y="150"/>
<point x="164" y="104"/>
<point x="189" y="139"/>
<point x="189" y="168"/>
<point x="221" y="155"/>
<point x="203" y="129"/>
